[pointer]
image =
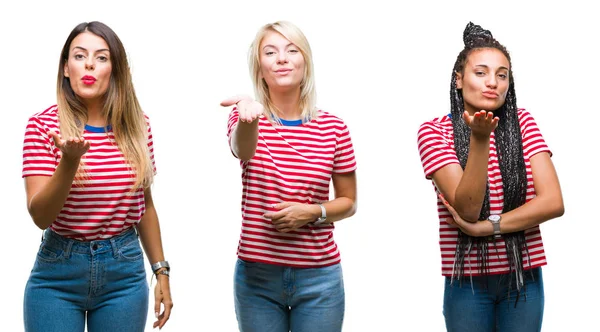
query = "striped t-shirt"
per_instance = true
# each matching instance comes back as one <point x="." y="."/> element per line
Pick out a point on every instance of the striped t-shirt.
<point x="100" y="205"/>
<point x="291" y="164"/>
<point x="436" y="147"/>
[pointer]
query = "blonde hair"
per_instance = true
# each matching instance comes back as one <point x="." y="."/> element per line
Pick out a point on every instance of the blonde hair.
<point x="308" y="94"/>
<point x="122" y="110"/>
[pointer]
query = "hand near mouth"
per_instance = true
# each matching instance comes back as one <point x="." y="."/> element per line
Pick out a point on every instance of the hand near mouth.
<point x="482" y="123"/>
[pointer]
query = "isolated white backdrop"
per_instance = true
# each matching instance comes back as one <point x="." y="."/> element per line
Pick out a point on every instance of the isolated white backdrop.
<point x="384" y="69"/>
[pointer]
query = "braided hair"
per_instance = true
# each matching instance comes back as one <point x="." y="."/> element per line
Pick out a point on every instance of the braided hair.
<point x="509" y="148"/>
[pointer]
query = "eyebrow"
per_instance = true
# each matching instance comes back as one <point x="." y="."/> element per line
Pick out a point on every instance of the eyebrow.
<point x="486" y="66"/>
<point x="269" y="45"/>
<point x="84" y="49"/>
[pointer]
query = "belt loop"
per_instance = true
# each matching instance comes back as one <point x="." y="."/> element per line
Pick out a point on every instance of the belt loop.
<point x="68" y="248"/>
<point x="114" y="246"/>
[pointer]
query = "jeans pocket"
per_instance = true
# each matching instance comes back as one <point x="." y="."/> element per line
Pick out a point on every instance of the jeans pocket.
<point x="132" y="251"/>
<point x="49" y="254"/>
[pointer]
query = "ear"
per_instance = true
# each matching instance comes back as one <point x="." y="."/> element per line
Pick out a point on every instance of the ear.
<point x="66" y="70"/>
<point x="458" y="80"/>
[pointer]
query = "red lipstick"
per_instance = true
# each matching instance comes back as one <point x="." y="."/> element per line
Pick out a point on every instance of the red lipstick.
<point x="88" y="80"/>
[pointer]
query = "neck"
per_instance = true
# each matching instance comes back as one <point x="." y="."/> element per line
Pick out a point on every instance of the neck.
<point x="287" y="104"/>
<point x="95" y="113"/>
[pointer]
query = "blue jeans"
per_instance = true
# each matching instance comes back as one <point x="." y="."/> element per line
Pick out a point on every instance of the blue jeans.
<point x="272" y="298"/>
<point x="490" y="308"/>
<point x="104" y="279"/>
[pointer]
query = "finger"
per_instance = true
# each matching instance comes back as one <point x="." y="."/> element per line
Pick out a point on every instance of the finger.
<point x="284" y="205"/>
<point x="55" y="138"/>
<point x="157" y="302"/>
<point x="166" y="314"/>
<point x="233" y="100"/>
<point x="466" y="117"/>
<point x="275" y="216"/>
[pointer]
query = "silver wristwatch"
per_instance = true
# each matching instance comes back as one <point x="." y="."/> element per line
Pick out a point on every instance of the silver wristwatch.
<point x="323" y="216"/>
<point x="495" y="220"/>
<point x="160" y="265"/>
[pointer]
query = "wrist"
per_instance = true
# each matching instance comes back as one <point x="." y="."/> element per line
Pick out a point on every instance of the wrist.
<point x="480" y="138"/>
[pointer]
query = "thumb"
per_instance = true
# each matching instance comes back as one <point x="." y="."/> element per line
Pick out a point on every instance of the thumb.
<point x="156" y="306"/>
<point x="55" y="137"/>
<point x="233" y="100"/>
<point x="466" y="117"/>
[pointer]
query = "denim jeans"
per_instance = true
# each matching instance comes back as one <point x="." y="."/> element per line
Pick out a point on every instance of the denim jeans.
<point x="103" y="279"/>
<point x="490" y="308"/>
<point x="272" y="298"/>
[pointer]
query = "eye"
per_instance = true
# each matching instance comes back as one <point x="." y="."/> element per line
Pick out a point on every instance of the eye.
<point x="503" y="76"/>
<point x="103" y="58"/>
<point x="269" y="53"/>
<point x="479" y="73"/>
<point x="293" y="51"/>
<point x="78" y="56"/>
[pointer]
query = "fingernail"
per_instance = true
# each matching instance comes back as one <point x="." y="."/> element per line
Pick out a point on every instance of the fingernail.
<point x="156" y="314"/>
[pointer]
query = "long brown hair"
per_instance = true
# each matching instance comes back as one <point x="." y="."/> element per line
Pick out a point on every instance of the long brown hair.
<point x="121" y="109"/>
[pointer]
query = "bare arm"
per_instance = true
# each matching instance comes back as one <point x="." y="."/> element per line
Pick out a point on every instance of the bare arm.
<point x="344" y="204"/>
<point x="465" y="190"/>
<point x="149" y="230"/>
<point x="46" y="196"/>
<point x="546" y="205"/>
<point x="244" y="136"/>
<point x="292" y="216"/>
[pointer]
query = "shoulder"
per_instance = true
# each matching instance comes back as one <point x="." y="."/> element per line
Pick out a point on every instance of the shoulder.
<point x="439" y="125"/>
<point x="47" y="118"/>
<point x="328" y="119"/>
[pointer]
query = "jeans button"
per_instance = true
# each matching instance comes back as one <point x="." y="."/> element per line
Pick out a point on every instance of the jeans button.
<point x="94" y="246"/>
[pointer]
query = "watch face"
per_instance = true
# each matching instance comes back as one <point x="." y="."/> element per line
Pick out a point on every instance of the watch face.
<point x="494" y="217"/>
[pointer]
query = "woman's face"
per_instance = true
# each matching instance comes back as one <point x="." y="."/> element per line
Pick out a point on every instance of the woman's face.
<point x="485" y="80"/>
<point x="88" y="67"/>
<point x="281" y="63"/>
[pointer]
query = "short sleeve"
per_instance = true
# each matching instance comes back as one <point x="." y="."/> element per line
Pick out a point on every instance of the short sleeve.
<point x="533" y="141"/>
<point x="343" y="159"/>
<point x="234" y="117"/>
<point x="434" y="148"/>
<point x="39" y="157"/>
<point x="150" y="144"/>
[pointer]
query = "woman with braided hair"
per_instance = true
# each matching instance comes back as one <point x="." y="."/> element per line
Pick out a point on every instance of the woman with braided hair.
<point x="496" y="183"/>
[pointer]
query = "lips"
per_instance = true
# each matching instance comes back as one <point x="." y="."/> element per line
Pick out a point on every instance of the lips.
<point x="88" y="80"/>
<point x="283" y="71"/>
<point x="490" y="94"/>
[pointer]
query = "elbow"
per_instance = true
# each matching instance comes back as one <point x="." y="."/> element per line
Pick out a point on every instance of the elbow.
<point x="39" y="219"/>
<point x="469" y="215"/>
<point x="559" y="211"/>
<point x="243" y="154"/>
<point x="352" y="210"/>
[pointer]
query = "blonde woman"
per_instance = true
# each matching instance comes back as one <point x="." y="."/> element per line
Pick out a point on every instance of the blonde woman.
<point x="88" y="164"/>
<point x="288" y="274"/>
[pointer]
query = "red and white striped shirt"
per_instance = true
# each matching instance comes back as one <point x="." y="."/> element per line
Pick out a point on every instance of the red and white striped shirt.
<point x="291" y="164"/>
<point x="436" y="147"/>
<point x="99" y="206"/>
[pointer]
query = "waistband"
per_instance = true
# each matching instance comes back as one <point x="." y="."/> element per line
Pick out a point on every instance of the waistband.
<point x="69" y="246"/>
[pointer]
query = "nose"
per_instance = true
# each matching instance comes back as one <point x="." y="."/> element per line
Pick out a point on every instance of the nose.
<point x="492" y="81"/>
<point x="89" y="63"/>
<point x="282" y="57"/>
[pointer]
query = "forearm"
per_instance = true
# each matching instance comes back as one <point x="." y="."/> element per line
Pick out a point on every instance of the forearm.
<point x="149" y="230"/>
<point x="337" y="209"/>
<point x="532" y="213"/>
<point x="470" y="192"/>
<point x="45" y="205"/>
<point x="244" y="139"/>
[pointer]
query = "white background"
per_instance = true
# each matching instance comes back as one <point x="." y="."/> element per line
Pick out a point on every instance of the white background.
<point x="384" y="70"/>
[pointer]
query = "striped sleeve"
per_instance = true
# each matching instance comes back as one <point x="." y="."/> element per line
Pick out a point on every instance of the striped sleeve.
<point x="533" y="142"/>
<point x="343" y="159"/>
<point x="435" y="151"/>
<point x="150" y="144"/>
<point x="38" y="156"/>
<point x="234" y="116"/>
